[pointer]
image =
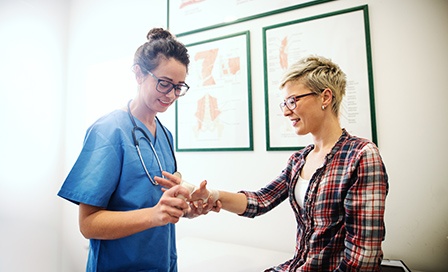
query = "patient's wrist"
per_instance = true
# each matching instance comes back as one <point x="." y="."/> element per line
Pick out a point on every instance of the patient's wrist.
<point x="192" y="188"/>
<point x="214" y="194"/>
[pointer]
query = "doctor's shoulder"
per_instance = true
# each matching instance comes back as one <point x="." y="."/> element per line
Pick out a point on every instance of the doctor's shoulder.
<point x="110" y="126"/>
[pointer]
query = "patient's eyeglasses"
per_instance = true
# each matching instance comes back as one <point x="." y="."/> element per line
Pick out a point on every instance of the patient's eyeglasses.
<point x="291" y="102"/>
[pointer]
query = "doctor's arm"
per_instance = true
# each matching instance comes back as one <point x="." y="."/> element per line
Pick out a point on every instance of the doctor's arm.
<point x="99" y="223"/>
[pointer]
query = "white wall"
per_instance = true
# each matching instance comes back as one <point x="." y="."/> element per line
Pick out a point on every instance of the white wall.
<point x="409" y="41"/>
<point x="33" y="45"/>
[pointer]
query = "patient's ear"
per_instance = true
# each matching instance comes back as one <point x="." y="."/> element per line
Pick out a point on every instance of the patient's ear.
<point x="327" y="97"/>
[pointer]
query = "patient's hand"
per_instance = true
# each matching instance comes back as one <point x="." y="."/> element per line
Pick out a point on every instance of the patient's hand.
<point x="196" y="194"/>
<point x="201" y="201"/>
<point x="199" y="208"/>
<point x="201" y="193"/>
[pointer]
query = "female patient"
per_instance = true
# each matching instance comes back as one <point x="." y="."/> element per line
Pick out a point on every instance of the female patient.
<point x="336" y="186"/>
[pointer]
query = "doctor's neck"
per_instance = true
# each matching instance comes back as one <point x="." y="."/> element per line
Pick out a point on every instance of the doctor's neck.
<point x="140" y="111"/>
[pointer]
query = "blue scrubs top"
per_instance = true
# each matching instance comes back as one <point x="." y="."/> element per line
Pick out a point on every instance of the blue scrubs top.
<point x="108" y="173"/>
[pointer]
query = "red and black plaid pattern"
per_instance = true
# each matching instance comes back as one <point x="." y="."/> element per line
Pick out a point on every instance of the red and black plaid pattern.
<point x="341" y="226"/>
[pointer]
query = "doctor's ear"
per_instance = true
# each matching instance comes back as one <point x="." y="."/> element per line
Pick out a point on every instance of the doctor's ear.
<point x="138" y="74"/>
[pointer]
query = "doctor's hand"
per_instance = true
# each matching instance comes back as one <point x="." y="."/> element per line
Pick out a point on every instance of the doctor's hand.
<point x="170" y="207"/>
<point x="201" y="201"/>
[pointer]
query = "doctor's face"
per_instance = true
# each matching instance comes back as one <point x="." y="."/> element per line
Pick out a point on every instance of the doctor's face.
<point x="169" y="70"/>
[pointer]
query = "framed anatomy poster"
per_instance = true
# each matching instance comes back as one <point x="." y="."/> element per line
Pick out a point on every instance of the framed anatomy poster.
<point x="216" y="113"/>
<point x="342" y="36"/>
<point x="191" y="16"/>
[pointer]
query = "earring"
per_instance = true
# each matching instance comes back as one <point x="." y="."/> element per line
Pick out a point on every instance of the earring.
<point x="323" y="107"/>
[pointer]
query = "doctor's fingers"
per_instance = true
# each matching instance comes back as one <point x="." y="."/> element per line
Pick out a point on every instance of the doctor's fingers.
<point x="175" y="197"/>
<point x="172" y="208"/>
<point x="217" y="206"/>
<point x="169" y="180"/>
<point x="211" y="206"/>
<point x="179" y="191"/>
<point x="168" y="214"/>
<point x="165" y="182"/>
<point x="201" y="208"/>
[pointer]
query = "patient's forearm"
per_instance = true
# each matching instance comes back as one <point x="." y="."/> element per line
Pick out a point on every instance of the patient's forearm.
<point x="233" y="202"/>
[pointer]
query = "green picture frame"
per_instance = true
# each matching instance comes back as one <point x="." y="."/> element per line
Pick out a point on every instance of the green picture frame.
<point x="342" y="36"/>
<point x="188" y="17"/>
<point x="216" y="113"/>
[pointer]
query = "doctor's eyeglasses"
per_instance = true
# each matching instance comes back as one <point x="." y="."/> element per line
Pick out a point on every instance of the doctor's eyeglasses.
<point x="164" y="86"/>
<point x="291" y="102"/>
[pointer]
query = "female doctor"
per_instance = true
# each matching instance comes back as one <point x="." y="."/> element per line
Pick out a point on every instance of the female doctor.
<point x="122" y="210"/>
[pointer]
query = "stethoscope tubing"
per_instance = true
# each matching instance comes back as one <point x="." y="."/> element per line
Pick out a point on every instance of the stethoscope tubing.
<point x="146" y="137"/>
<point x="144" y="166"/>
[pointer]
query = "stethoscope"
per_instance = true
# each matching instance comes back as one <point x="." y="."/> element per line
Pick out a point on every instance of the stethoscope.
<point x="137" y="145"/>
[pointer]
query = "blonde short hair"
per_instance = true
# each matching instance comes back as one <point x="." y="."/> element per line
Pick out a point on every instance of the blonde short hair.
<point x="318" y="73"/>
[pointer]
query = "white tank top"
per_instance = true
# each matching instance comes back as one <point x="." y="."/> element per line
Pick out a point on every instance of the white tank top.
<point x="300" y="190"/>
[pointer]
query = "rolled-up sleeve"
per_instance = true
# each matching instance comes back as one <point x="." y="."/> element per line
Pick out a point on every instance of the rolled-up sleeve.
<point x="272" y="195"/>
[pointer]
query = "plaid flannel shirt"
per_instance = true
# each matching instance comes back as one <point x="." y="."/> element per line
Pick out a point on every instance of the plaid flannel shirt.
<point x="341" y="226"/>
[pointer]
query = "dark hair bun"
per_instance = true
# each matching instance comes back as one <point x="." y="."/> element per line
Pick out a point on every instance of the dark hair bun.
<point x="157" y="34"/>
